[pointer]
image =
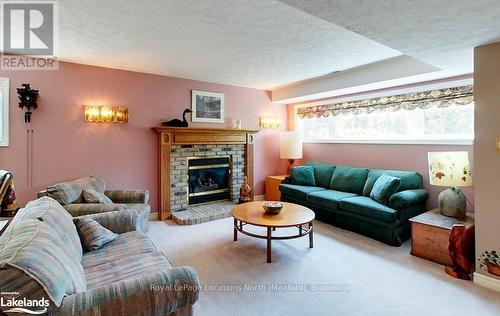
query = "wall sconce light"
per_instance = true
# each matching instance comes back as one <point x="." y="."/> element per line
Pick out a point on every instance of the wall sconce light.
<point x="105" y="114"/>
<point x="270" y="122"/>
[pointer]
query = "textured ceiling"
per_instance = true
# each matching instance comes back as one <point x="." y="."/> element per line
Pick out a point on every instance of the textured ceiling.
<point x="441" y="33"/>
<point x="254" y="43"/>
<point x="269" y="44"/>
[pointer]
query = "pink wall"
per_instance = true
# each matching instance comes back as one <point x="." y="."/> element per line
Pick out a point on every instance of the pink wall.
<point x="404" y="157"/>
<point x="125" y="155"/>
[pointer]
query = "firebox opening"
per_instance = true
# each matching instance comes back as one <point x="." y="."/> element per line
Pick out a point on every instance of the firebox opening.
<point x="208" y="179"/>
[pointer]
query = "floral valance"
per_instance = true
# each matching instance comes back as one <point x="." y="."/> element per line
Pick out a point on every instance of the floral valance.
<point x="436" y="98"/>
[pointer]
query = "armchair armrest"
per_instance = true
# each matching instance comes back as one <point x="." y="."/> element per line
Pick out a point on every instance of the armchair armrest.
<point x="122" y="221"/>
<point x="161" y="293"/>
<point x="408" y="198"/>
<point x="42" y="193"/>
<point x="128" y="196"/>
<point x="79" y="209"/>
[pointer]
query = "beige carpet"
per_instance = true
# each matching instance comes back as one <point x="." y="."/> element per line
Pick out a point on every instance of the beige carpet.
<point x="360" y="276"/>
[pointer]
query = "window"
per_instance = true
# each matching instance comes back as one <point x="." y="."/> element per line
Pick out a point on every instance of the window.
<point x="452" y="124"/>
<point x="4" y="112"/>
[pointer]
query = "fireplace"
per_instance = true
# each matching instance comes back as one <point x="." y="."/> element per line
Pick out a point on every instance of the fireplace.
<point x="208" y="179"/>
<point x="176" y="144"/>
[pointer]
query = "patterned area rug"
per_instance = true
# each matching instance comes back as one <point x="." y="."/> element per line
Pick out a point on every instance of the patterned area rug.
<point x="203" y="213"/>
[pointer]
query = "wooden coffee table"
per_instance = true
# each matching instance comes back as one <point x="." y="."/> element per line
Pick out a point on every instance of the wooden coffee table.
<point x="292" y="215"/>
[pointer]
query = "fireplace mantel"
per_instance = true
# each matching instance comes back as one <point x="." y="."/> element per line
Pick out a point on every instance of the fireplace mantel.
<point x="173" y="136"/>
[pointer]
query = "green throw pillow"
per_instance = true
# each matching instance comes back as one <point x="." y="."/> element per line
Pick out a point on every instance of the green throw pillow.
<point x="92" y="234"/>
<point x="303" y="175"/>
<point x="384" y="187"/>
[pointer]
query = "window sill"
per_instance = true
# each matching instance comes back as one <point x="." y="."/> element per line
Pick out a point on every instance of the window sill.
<point x="394" y="142"/>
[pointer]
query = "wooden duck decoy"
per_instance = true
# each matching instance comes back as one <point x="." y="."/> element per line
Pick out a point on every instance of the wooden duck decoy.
<point x="177" y="122"/>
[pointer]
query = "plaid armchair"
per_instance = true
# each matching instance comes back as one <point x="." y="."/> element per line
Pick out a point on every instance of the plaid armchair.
<point x="70" y="195"/>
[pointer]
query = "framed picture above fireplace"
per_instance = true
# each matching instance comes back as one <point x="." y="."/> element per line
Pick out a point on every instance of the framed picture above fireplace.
<point x="207" y="107"/>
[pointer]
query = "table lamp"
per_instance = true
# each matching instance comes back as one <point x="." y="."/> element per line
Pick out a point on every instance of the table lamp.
<point x="291" y="147"/>
<point x="450" y="169"/>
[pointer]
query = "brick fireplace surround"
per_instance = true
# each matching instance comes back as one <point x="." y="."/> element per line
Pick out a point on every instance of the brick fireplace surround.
<point x="176" y="145"/>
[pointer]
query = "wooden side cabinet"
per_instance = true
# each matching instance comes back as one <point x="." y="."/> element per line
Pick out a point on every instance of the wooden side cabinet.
<point x="273" y="187"/>
<point x="430" y="233"/>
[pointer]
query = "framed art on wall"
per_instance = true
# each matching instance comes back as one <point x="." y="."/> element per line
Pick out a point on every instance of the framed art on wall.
<point x="4" y="112"/>
<point x="207" y="107"/>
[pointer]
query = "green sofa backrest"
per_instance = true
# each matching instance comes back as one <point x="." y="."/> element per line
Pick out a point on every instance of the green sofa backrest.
<point x="409" y="179"/>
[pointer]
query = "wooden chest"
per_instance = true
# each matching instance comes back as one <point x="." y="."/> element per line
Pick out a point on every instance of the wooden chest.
<point x="430" y="233"/>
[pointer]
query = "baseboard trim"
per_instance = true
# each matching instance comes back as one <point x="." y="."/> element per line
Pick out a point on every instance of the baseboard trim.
<point x="153" y="216"/>
<point x="259" y="197"/>
<point x="486" y="281"/>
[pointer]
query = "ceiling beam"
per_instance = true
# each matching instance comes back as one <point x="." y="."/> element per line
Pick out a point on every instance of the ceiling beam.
<point x="377" y="75"/>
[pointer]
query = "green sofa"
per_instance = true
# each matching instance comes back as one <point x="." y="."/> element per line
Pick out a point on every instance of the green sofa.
<point x="341" y="196"/>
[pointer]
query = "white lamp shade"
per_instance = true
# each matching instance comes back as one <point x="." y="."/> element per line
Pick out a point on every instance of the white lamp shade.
<point x="291" y="145"/>
<point x="449" y="169"/>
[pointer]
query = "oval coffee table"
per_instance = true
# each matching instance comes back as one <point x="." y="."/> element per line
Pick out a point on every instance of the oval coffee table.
<point x="292" y="215"/>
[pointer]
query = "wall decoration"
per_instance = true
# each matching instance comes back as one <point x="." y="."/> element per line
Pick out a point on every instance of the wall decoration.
<point x="207" y="107"/>
<point x="490" y="261"/>
<point x="4" y="112"/>
<point x="177" y="122"/>
<point x="27" y="99"/>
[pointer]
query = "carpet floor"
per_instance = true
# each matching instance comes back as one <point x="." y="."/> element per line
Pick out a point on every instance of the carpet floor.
<point x="344" y="274"/>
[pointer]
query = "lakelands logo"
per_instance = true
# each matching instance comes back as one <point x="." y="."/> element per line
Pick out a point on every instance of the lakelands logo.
<point x="23" y="305"/>
<point x="29" y="35"/>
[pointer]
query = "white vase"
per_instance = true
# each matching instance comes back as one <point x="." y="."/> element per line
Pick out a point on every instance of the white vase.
<point x="237" y="124"/>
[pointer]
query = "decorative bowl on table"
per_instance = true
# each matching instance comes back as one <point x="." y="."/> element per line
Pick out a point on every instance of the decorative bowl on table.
<point x="272" y="207"/>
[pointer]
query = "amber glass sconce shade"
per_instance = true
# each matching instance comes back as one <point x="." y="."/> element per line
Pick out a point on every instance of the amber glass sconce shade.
<point x="270" y="122"/>
<point x="105" y="114"/>
<point x="121" y="115"/>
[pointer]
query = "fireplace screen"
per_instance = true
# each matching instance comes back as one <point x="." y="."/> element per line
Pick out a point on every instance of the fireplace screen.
<point x="208" y="179"/>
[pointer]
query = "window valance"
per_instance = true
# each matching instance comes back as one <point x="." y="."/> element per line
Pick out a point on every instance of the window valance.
<point x="436" y="98"/>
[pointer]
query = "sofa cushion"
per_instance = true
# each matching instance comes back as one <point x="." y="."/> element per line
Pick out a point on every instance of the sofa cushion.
<point x="302" y="175"/>
<point x="409" y="179"/>
<point x="133" y="267"/>
<point x="322" y="173"/>
<point x="384" y="187"/>
<point x="71" y="191"/>
<point x="349" y="179"/>
<point x="328" y="199"/>
<point x="57" y="218"/>
<point x="125" y="246"/>
<point x="92" y="196"/>
<point x="35" y="250"/>
<point x="92" y="234"/>
<point x="365" y="206"/>
<point x="298" y="191"/>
